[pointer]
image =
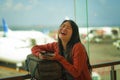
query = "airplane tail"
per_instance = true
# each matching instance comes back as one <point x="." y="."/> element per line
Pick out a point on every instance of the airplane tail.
<point x="5" y="28"/>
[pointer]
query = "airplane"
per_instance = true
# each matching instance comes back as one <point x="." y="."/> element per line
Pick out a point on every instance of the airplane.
<point x="16" y="45"/>
<point x="96" y="34"/>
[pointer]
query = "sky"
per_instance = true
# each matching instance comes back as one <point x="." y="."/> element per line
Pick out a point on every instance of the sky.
<point x="53" y="12"/>
<point x="35" y="12"/>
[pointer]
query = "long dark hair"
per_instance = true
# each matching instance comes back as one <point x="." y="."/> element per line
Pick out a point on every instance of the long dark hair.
<point x="75" y="38"/>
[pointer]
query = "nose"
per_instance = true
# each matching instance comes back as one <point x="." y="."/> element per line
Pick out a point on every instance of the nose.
<point x="64" y="29"/>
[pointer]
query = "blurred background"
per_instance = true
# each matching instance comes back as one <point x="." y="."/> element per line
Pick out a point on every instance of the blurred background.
<point x="25" y="23"/>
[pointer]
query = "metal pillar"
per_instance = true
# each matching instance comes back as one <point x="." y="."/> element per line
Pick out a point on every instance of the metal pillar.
<point x="113" y="73"/>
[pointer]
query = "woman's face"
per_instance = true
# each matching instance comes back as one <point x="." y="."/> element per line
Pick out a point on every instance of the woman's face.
<point x="65" y="31"/>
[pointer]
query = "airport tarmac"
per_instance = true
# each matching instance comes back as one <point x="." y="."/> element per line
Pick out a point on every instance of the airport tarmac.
<point x="104" y="52"/>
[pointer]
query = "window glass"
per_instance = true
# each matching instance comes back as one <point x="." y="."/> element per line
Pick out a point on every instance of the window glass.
<point x="98" y="21"/>
<point x="100" y="31"/>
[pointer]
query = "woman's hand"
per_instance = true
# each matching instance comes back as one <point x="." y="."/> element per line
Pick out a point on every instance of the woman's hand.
<point x="41" y="56"/>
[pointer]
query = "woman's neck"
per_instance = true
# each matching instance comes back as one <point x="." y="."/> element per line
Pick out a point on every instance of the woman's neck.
<point x="64" y="43"/>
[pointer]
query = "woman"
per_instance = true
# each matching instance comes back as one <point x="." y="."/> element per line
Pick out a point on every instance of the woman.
<point x="69" y="52"/>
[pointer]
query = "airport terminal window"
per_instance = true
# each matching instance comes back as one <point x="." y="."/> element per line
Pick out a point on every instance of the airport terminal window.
<point x="98" y="21"/>
<point x="97" y="27"/>
<point x="100" y="31"/>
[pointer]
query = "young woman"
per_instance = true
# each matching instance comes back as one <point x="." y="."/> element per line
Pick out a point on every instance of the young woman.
<point x="69" y="52"/>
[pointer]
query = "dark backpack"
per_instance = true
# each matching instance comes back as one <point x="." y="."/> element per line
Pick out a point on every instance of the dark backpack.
<point x="43" y="69"/>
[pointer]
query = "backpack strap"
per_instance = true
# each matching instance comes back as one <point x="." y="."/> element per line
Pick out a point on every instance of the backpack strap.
<point x="34" y="70"/>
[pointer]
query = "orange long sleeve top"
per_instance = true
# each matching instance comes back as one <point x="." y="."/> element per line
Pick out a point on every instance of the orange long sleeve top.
<point x="79" y="69"/>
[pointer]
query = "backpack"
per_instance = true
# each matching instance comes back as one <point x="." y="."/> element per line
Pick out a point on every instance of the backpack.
<point x="43" y="69"/>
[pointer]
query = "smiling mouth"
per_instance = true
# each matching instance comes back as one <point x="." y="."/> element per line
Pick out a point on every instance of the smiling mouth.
<point x="63" y="33"/>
